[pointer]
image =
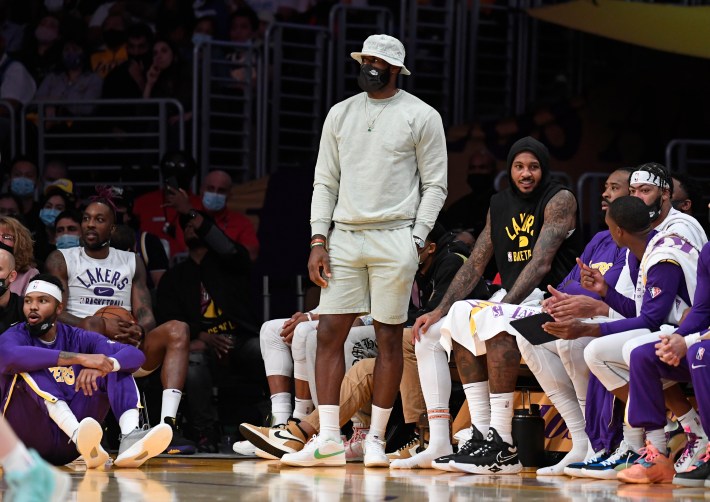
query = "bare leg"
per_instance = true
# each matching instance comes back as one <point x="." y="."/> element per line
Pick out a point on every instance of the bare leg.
<point x="676" y="401"/>
<point x="503" y="360"/>
<point x="622" y="393"/>
<point x="471" y="368"/>
<point x="388" y="365"/>
<point x="279" y="383"/>
<point x="330" y="363"/>
<point x="168" y="345"/>
<point x="303" y="391"/>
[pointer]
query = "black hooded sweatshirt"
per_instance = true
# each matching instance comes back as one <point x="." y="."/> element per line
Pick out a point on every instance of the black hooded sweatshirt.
<point x="516" y="221"/>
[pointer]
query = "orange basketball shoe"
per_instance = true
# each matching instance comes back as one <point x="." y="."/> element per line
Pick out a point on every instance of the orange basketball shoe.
<point x="651" y="467"/>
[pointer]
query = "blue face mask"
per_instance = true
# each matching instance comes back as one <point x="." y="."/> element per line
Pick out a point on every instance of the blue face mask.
<point x="48" y="216"/>
<point x="200" y="38"/>
<point x="214" y="201"/>
<point x="66" y="241"/>
<point x="22" y="187"/>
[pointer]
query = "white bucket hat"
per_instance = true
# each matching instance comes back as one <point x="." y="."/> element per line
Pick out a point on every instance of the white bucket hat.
<point x="384" y="47"/>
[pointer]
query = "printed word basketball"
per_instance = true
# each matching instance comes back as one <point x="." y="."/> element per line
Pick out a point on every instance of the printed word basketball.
<point x="114" y="312"/>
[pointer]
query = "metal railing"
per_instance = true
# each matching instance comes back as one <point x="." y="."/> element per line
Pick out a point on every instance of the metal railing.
<point x="589" y="196"/>
<point x="688" y="156"/>
<point x="11" y="125"/>
<point x="122" y="137"/>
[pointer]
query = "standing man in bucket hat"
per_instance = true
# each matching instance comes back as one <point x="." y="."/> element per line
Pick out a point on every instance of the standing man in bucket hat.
<point x="380" y="180"/>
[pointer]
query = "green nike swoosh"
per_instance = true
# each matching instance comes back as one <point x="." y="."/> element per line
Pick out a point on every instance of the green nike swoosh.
<point x="318" y="454"/>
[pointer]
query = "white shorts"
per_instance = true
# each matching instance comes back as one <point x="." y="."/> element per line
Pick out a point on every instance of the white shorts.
<point x="372" y="271"/>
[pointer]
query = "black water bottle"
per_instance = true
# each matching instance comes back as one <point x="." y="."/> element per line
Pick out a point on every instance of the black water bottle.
<point x="529" y="434"/>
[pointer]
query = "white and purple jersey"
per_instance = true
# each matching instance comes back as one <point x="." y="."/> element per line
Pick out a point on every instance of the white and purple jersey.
<point x="97" y="283"/>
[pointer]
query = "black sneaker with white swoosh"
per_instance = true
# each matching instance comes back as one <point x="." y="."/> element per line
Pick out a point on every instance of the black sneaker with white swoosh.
<point x="494" y="456"/>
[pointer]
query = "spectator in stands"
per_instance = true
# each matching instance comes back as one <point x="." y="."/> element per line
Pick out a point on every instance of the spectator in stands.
<point x="153" y="215"/>
<point x="54" y="169"/>
<point x="144" y="244"/>
<point x="23" y="184"/>
<point x="67" y="229"/>
<point x="128" y="79"/>
<point x="113" y="51"/>
<point x="72" y="82"/>
<point x="210" y="292"/>
<point x="168" y="77"/>
<point x="83" y="272"/>
<point x="16" y="236"/>
<point x="470" y="210"/>
<point x="42" y="52"/>
<point x="10" y="205"/>
<point x="54" y="201"/>
<point x="214" y="192"/>
<point x="17" y="87"/>
<point x="686" y="196"/>
<point x="10" y="302"/>
<point x="244" y="28"/>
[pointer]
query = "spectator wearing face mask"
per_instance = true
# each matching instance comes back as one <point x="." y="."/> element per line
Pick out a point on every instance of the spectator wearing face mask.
<point x="57" y="198"/>
<point x="67" y="229"/>
<point x="23" y="185"/>
<point x="42" y="52"/>
<point x="73" y="82"/>
<point x="214" y="193"/>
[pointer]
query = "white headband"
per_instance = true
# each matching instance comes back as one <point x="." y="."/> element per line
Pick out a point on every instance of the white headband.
<point x="646" y="178"/>
<point x="44" y="287"/>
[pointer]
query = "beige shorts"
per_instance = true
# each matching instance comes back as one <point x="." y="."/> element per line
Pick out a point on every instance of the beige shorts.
<point x="372" y="271"/>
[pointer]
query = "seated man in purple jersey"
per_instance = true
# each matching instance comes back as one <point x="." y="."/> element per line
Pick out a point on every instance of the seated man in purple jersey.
<point x="653" y="367"/>
<point x="95" y="275"/>
<point x="59" y="383"/>
<point x="663" y="268"/>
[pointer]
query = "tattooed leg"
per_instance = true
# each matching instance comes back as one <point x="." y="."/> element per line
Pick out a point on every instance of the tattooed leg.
<point x="503" y="359"/>
<point x="471" y="368"/>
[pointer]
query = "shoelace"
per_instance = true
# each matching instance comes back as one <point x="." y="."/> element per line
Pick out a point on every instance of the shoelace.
<point x="648" y="454"/>
<point x="621" y="452"/>
<point x="689" y="450"/>
<point x="594" y="460"/>
<point x="412" y="442"/>
<point x="702" y="460"/>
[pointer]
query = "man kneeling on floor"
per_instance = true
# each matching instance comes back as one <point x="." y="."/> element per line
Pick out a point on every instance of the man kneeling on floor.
<point x="59" y="382"/>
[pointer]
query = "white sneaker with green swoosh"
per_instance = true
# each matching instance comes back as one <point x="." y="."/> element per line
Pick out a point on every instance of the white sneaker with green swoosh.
<point x="318" y="451"/>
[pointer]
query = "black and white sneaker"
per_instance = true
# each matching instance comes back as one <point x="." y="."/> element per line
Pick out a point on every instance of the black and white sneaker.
<point x="444" y="463"/>
<point x="494" y="456"/>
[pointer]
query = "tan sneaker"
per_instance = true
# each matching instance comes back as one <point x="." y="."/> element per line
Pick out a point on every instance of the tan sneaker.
<point x="410" y="449"/>
<point x="276" y="441"/>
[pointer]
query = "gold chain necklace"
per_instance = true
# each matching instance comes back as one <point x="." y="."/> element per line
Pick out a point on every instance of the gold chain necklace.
<point x="371" y="123"/>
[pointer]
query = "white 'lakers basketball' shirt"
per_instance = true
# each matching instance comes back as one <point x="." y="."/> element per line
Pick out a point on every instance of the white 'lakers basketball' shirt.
<point x="96" y="283"/>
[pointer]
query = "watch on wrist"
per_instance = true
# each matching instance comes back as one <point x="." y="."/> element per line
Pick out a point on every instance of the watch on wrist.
<point x="419" y="242"/>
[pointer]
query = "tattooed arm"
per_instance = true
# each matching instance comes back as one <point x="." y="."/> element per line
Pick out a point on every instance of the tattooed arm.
<point x="140" y="299"/>
<point x="57" y="266"/>
<point x="463" y="282"/>
<point x="560" y="218"/>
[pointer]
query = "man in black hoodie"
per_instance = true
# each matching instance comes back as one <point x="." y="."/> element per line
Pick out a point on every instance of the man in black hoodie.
<point x="532" y="224"/>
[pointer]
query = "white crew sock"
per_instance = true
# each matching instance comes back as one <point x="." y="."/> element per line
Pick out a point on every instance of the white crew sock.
<point x="128" y="421"/>
<point x="281" y="408"/>
<point x="17" y="460"/>
<point x="304" y="407"/>
<point x="378" y="421"/>
<point x="691" y="420"/>
<point x="657" y="438"/>
<point x="439" y="442"/>
<point x="479" y="405"/>
<point x="633" y="437"/>
<point x="502" y="415"/>
<point x="329" y="421"/>
<point x="64" y="417"/>
<point x="169" y="406"/>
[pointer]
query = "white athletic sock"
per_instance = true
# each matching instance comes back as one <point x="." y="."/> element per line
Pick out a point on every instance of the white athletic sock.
<point x="692" y="420"/>
<point x="657" y="438"/>
<point x="378" y="421"/>
<point x="281" y="408"/>
<point x="439" y="442"/>
<point x="304" y="407"/>
<point x="578" y="453"/>
<point x="633" y="437"/>
<point x="128" y="421"/>
<point x="329" y="421"/>
<point x="64" y="417"/>
<point x="17" y="460"/>
<point x="502" y="415"/>
<point x="169" y="406"/>
<point x="479" y="405"/>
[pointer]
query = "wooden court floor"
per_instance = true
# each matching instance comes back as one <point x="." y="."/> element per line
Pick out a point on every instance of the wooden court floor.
<point x="186" y="479"/>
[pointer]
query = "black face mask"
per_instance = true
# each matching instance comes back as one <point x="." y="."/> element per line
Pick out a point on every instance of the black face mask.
<point x="654" y="209"/>
<point x="4" y="286"/>
<point x="97" y="246"/>
<point x="114" y="38"/>
<point x="480" y="181"/>
<point x="371" y="79"/>
<point x="144" y="59"/>
<point x="37" y="330"/>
